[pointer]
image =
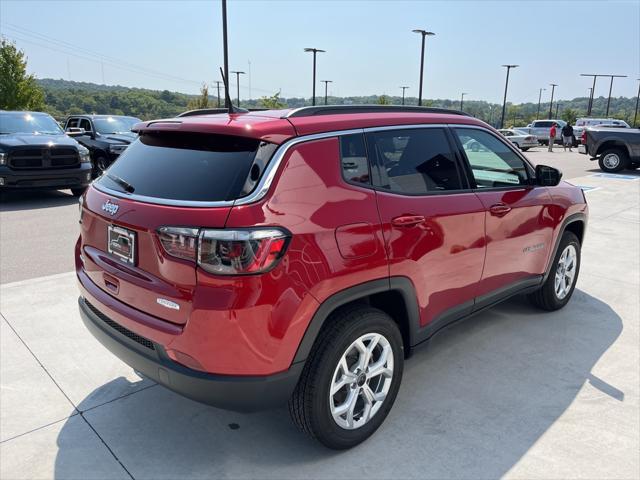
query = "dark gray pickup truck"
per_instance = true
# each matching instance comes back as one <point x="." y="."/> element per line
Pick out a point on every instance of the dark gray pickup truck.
<point x="614" y="148"/>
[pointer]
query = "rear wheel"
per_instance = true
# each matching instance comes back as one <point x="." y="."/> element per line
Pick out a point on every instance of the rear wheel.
<point x="351" y="378"/>
<point x="524" y="149"/>
<point x="558" y="288"/>
<point x="613" y="160"/>
<point x="76" y="192"/>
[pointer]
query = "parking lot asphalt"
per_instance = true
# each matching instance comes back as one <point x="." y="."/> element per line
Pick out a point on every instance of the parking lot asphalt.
<point x="511" y="393"/>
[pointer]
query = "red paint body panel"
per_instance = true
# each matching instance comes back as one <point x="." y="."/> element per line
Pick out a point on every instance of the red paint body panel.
<point x="443" y="256"/>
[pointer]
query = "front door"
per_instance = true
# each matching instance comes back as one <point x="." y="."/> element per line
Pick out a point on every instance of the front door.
<point x="433" y="223"/>
<point x="518" y="225"/>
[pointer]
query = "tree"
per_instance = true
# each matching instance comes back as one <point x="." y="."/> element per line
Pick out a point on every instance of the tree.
<point x="383" y="100"/>
<point x="202" y="101"/>
<point x="18" y="91"/>
<point x="569" y="115"/>
<point x="273" y="102"/>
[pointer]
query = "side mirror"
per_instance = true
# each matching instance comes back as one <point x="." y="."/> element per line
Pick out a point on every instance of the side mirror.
<point x="547" y="176"/>
<point x="75" y="131"/>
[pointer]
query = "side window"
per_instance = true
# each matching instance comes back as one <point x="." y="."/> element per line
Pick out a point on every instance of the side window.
<point x="414" y="161"/>
<point x="493" y="163"/>
<point x="72" y="123"/>
<point x="353" y="156"/>
<point x="84" y="123"/>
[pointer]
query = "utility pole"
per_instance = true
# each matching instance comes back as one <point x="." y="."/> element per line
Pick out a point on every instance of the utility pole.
<point x="218" y="87"/>
<point x="424" y="34"/>
<point x="539" y="99"/>
<point x="225" y="47"/>
<point x="462" y="100"/>
<point x="506" y="86"/>
<point x="403" y="89"/>
<point x="326" y="83"/>
<point x="238" y="73"/>
<point x="315" y="51"/>
<point x="553" y="89"/>
<point x="635" y="116"/>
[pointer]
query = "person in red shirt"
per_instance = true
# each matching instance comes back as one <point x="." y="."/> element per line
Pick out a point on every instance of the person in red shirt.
<point x="552" y="136"/>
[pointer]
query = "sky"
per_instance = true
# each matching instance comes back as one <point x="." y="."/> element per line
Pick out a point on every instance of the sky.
<point x="370" y="49"/>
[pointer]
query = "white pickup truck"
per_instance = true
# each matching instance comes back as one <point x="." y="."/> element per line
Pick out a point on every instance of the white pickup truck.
<point x="540" y="128"/>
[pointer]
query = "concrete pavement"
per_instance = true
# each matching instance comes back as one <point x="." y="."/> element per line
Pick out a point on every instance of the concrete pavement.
<point x="512" y="393"/>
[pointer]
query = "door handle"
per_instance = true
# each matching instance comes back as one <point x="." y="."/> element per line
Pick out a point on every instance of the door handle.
<point x="499" y="209"/>
<point x="407" y="220"/>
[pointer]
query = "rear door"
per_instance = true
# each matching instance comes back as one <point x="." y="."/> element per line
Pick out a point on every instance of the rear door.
<point x="518" y="224"/>
<point x="152" y="202"/>
<point x="433" y="223"/>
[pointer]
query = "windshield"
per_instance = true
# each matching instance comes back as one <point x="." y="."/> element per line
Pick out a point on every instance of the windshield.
<point x="24" y="122"/>
<point x="109" y="125"/>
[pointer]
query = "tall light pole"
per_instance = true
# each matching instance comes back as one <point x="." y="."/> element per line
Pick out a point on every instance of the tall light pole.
<point x="424" y="33"/>
<point x="610" y="89"/>
<point x="218" y="87"/>
<point x="403" y="89"/>
<point x="557" y="108"/>
<point x="315" y="52"/>
<point x="553" y="89"/>
<point x="225" y="47"/>
<point x="462" y="99"/>
<point x="539" y="99"/>
<point x="506" y="86"/>
<point x="326" y="83"/>
<point x="635" y="116"/>
<point x="238" y="73"/>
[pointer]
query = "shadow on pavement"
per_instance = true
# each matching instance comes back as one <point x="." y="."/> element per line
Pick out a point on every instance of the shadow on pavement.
<point x="35" y="199"/>
<point x="472" y="403"/>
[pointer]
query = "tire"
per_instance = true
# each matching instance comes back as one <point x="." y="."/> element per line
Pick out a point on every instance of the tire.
<point x="613" y="160"/>
<point x="548" y="297"/>
<point x="76" y="192"/>
<point x="524" y="149"/>
<point x="311" y="404"/>
<point x="100" y="164"/>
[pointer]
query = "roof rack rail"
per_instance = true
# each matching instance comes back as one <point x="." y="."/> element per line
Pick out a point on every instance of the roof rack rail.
<point x="343" y="109"/>
<point x="214" y="111"/>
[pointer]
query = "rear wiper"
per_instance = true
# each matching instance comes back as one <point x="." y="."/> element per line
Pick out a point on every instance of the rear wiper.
<point x="123" y="183"/>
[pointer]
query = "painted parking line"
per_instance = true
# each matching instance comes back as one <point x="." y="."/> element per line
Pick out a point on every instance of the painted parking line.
<point x="615" y="176"/>
<point x="587" y="188"/>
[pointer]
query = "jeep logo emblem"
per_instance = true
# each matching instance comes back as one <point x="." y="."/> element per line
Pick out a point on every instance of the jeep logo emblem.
<point x="110" y="208"/>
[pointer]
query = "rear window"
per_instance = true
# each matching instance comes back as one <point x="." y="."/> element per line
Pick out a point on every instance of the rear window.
<point x="189" y="166"/>
<point x="541" y="124"/>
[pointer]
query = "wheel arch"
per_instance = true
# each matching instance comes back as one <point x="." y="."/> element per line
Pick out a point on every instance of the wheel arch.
<point x="575" y="223"/>
<point x="395" y="296"/>
<point x="612" y="143"/>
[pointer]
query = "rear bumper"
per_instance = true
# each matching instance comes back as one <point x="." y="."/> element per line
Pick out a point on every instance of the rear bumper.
<point x="239" y="393"/>
<point x="55" y="178"/>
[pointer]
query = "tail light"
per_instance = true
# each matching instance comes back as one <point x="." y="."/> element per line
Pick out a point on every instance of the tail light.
<point x="226" y="252"/>
<point x="583" y="138"/>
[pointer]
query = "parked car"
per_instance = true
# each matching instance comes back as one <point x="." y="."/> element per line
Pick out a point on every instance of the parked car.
<point x="106" y="136"/>
<point x="301" y="255"/>
<point x="584" y="122"/>
<point x="541" y="128"/>
<point x="614" y="148"/>
<point x="522" y="140"/>
<point x="36" y="153"/>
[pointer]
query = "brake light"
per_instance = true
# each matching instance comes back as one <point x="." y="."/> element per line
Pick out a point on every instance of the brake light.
<point x="226" y="252"/>
<point x="583" y="138"/>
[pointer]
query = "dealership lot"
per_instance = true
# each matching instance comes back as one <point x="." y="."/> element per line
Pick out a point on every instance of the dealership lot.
<point x="512" y="392"/>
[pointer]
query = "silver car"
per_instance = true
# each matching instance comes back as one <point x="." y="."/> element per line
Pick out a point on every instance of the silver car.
<point x="523" y="140"/>
<point x="541" y="128"/>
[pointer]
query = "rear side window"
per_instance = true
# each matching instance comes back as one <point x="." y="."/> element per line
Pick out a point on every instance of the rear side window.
<point x="415" y="161"/>
<point x="353" y="156"/>
<point x="542" y="124"/>
<point x="189" y="166"/>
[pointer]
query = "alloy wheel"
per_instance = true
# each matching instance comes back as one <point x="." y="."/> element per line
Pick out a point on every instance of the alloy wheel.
<point x="566" y="272"/>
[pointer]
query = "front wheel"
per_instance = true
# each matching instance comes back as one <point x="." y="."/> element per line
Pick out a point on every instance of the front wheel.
<point x="351" y="378"/>
<point x="100" y="164"/>
<point x="612" y="160"/>
<point x="524" y="149"/>
<point x="558" y="288"/>
<point x="76" y="192"/>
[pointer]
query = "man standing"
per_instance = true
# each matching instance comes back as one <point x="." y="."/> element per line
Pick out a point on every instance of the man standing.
<point x="567" y="137"/>
<point x="552" y="136"/>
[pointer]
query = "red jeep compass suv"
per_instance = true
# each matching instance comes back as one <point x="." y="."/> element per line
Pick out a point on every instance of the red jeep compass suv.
<point x="249" y="259"/>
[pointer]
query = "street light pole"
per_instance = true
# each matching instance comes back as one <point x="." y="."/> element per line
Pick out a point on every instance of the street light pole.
<point x="403" y="89"/>
<point x="506" y="86"/>
<point x="315" y="51"/>
<point x="557" y="108"/>
<point x="225" y="46"/>
<point x="238" y="73"/>
<point x="326" y="83"/>
<point x="539" y="99"/>
<point x="635" y="116"/>
<point x="218" y="87"/>
<point x="424" y="33"/>
<point x="610" y="89"/>
<point x="553" y="89"/>
<point x="462" y="99"/>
